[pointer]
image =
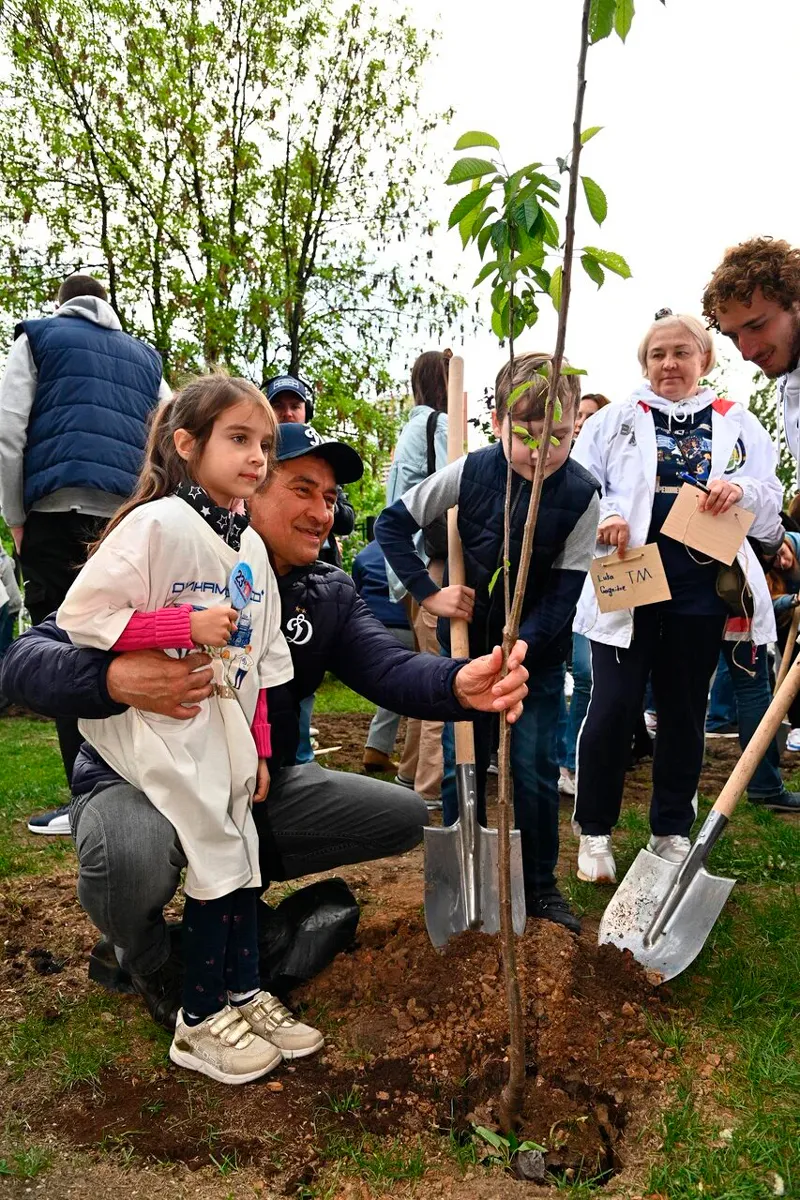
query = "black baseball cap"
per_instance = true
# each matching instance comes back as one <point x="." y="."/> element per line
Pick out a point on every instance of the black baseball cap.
<point x="294" y="441"/>
<point x="287" y="383"/>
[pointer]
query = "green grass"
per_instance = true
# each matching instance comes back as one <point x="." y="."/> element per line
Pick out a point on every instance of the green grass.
<point x="27" y="1163"/>
<point x="334" y="697"/>
<point x="31" y="781"/>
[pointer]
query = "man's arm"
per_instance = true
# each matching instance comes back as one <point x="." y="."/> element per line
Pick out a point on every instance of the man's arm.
<point x="555" y="608"/>
<point x="43" y="671"/>
<point x="17" y="393"/>
<point x="396" y="526"/>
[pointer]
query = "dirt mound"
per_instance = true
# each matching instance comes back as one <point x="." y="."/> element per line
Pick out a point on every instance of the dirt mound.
<point x="433" y="1027"/>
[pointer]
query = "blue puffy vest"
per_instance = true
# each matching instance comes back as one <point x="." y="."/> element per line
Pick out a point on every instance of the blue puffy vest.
<point x="95" y="391"/>
<point x="565" y="497"/>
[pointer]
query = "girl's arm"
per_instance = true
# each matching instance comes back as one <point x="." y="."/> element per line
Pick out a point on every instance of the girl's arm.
<point x="164" y="629"/>
<point x="260" y="728"/>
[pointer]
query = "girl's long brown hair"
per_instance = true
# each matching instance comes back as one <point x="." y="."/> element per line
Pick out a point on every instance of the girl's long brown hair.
<point x="194" y="408"/>
<point x="429" y="377"/>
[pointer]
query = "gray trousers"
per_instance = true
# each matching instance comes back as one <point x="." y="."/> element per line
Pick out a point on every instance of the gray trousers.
<point x="130" y="858"/>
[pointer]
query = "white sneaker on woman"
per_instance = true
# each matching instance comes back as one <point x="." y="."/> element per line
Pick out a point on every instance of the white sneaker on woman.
<point x="672" y="847"/>
<point x="595" y="860"/>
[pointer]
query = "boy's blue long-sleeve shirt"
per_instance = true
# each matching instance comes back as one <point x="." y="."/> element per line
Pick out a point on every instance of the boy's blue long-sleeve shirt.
<point x="552" y="609"/>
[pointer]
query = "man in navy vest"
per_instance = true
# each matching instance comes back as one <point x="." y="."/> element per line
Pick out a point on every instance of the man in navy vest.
<point x="75" y="401"/>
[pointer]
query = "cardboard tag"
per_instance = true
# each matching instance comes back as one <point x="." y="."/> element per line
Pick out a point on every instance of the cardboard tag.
<point x="639" y="578"/>
<point x="715" y="537"/>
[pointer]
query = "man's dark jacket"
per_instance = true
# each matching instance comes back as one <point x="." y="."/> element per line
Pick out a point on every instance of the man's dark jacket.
<point x="328" y="628"/>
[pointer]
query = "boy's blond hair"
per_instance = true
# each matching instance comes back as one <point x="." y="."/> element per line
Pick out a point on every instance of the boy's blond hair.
<point x="532" y="401"/>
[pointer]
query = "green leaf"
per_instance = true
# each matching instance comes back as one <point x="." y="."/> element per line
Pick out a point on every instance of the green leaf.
<point x="623" y="18"/>
<point x="595" y="198"/>
<point x="554" y="441"/>
<point x="483" y="238"/>
<point x="470" y="168"/>
<point x="558" y="410"/>
<point x="610" y="259"/>
<point x="492" y="582"/>
<point x="486" y="270"/>
<point x="499" y="234"/>
<point x="565" y="370"/>
<point x="589" y="133"/>
<point x="499" y="326"/>
<point x="593" y="269"/>
<point x="494" y="1139"/>
<point x="551" y="234"/>
<point x="555" y="287"/>
<point x="601" y="19"/>
<point x="467" y="203"/>
<point x="518" y="391"/>
<point x="474" y="138"/>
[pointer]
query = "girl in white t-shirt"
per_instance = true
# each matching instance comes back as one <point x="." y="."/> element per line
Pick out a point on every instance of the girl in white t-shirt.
<point x="179" y="569"/>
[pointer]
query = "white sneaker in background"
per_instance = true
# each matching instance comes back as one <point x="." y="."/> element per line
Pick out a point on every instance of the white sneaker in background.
<point x="595" y="859"/>
<point x="566" y="783"/>
<point x="651" y="723"/>
<point x="792" y="741"/>
<point x="672" y="847"/>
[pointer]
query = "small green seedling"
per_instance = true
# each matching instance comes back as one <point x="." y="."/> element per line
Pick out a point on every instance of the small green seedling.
<point x="505" y="1148"/>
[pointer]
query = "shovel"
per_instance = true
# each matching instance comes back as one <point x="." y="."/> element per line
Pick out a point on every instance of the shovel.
<point x="461" y="860"/>
<point x="663" y="912"/>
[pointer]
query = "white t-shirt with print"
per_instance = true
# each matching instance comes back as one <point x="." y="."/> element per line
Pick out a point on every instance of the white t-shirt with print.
<point x="200" y="773"/>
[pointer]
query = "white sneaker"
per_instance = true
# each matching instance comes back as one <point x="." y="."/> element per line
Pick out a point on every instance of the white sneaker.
<point x="595" y="860"/>
<point x="672" y="847"/>
<point x="566" y="784"/>
<point x="267" y="1017"/>
<point x="224" y="1047"/>
<point x="651" y="723"/>
<point x="792" y="741"/>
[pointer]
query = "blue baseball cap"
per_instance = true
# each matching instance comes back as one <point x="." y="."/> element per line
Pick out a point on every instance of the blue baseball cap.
<point x="287" y="383"/>
<point x="294" y="441"/>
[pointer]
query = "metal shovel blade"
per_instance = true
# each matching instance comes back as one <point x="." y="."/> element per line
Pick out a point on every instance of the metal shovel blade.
<point x="639" y="900"/>
<point x="455" y="901"/>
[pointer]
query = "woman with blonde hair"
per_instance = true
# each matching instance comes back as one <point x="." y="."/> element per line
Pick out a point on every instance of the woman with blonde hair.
<point x="669" y="431"/>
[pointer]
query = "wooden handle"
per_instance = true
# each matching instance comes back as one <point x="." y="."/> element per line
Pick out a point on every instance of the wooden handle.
<point x="756" y="748"/>
<point x="459" y="629"/>
<point x="791" y="639"/>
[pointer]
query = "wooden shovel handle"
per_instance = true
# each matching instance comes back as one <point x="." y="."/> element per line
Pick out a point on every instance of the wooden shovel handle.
<point x="459" y="629"/>
<point x="791" y="639"/>
<point x="756" y="748"/>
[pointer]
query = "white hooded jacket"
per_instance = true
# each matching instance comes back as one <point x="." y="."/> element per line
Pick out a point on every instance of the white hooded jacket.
<point x="618" y="446"/>
<point x="789" y="395"/>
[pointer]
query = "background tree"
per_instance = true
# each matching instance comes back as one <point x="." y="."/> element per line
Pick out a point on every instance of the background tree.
<point x="243" y="175"/>
<point x="764" y="404"/>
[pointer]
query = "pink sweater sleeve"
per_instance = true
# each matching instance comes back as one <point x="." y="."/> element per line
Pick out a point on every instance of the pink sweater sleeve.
<point x="164" y="629"/>
<point x="260" y="728"/>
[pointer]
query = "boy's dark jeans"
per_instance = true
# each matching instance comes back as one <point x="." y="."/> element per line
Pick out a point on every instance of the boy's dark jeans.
<point x="534" y="771"/>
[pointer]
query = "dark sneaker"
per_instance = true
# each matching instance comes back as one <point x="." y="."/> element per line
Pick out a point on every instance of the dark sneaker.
<point x="55" y="822"/>
<point x="726" y="731"/>
<point x="406" y="783"/>
<point x="788" y="802"/>
<point x="551" y="906"/>
<point x="106" y="971"/>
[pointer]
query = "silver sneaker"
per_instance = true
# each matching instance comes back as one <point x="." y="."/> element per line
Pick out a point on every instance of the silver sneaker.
<point x="224" y="1047"/>
<point x="267" y="1017"/>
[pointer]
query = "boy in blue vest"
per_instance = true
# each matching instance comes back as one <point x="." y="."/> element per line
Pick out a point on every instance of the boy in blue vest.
<point x="563" y="547"/>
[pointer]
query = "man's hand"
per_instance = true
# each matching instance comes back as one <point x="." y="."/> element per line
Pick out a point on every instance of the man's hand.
<point x="153" y="682"/>
<point x="262" y="782"/>
<point x="478" y="683"/>
<point x="213" y="626"/>
<point x="457" y="600"/>
<point x="615" y="531"/>
<point x="720" y="496"/>
<point x="16" y="532"/>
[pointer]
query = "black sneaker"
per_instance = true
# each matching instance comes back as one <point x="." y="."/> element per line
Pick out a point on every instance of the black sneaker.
<point x="788" y="802"/>
<point x="55" y="822"/>
<point x="551" y="906"/>
<point x="106" y="971"/>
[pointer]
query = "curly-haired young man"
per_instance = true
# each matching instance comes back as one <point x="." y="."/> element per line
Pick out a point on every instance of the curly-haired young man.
<point x="754" y="299"/>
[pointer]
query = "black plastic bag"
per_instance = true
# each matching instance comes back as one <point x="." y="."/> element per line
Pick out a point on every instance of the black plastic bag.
<point x="302" y="934"/>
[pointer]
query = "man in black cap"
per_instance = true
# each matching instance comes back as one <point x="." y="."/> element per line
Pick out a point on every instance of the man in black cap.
<point x="129" y="857"/>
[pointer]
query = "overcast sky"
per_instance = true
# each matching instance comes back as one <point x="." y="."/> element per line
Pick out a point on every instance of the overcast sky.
<point x="698" y="150"/>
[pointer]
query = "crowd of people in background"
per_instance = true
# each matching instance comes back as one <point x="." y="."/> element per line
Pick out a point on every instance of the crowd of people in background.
<point x="210" y="518"/>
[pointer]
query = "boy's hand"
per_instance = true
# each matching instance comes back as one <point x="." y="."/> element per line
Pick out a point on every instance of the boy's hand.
<point x="457" y="600"/>
<point x="614" y="531"/>
<point x="478" y="683"/>
<point x="262" y="782"/>
<point x="213" y="626"/>
<point x="720" y="496"/>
